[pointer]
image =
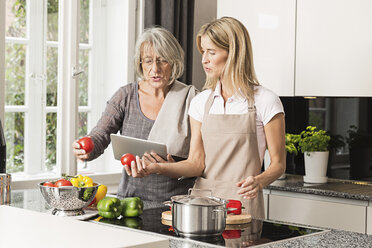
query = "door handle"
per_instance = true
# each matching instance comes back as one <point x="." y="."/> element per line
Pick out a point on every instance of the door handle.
<point x="76" y="72"/>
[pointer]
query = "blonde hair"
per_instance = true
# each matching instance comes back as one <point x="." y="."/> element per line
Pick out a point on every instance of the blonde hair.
<point x="231" y="35"/>
<point x="165" y="45"/>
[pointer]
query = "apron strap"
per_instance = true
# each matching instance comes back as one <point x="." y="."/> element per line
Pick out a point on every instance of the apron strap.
<point x="251" y="98"/>
<point x="208" y="105"/>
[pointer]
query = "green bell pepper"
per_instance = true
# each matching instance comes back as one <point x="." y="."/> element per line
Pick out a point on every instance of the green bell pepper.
<point x="132" y="206"/>
<point x="87" y="194"/>
<point x="109" y="207"/>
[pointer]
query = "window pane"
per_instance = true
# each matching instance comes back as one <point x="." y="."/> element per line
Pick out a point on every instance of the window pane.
<point x="83" y="78"/>
<point x="52" y="69"/>
<point x="83" y="120"/>
<point x="84" y="21"/>
<point x="15" y="18"/>
<point x="14" y="136"/>
<point x="15" y="74"/>
<point x="52" y="34"/>
<point x="51" y="141"/>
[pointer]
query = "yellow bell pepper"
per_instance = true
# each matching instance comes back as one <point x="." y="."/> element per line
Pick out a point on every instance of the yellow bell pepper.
<point x="75" y="181"/>
<point x="82" y="181"/>
<point x="85" y="181"/>
<point x="101" y="192"/>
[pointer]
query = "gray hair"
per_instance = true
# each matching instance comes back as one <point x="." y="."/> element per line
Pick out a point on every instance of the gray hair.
<point x="165" y="45"/>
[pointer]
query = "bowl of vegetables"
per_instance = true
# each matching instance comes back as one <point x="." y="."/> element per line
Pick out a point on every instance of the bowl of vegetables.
<point x="69" y="197"/>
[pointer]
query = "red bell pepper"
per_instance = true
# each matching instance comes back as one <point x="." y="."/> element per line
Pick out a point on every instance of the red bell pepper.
<point x="231" y="234"/>
<point x="234" y="204"/>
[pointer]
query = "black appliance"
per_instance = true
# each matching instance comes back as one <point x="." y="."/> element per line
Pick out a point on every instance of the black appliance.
<point x="254" y="233"/>
<point x="2" y="150"/>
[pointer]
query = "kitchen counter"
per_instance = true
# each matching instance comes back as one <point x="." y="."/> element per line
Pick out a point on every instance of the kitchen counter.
<point x="346" y="189"/>
<point x="31" y="199"/>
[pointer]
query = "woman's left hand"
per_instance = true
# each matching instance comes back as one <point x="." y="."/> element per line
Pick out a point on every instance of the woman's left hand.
<point x="249" y="187"/>
<point x="153" y="157"/>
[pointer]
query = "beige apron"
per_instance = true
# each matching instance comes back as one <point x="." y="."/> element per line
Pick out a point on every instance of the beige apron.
<point x="231" y="154"/>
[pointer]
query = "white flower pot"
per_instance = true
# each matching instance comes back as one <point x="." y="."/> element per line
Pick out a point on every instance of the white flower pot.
<point x="316" y="167"/>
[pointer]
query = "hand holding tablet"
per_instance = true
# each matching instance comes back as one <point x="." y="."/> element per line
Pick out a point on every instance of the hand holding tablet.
<point x="124" y="144"/>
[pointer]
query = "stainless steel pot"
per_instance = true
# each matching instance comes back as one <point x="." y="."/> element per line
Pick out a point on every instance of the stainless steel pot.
<point x="197" y="215"/>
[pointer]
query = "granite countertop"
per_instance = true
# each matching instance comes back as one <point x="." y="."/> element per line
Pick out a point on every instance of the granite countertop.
<point x="32" y="199"/>
<point x="347" y="189"/>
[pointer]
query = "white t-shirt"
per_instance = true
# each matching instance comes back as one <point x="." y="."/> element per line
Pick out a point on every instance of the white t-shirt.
<point x="267" y="105"/>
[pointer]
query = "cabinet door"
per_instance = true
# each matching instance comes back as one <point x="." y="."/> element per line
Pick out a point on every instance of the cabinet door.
<point x="318" y="213"/>
<point x="271" y="25"/>
<point x="334" y="48"/>
<point x="369" y="220"/>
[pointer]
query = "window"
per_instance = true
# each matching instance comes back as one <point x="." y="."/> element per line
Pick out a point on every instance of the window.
<point x="37" y="69"/>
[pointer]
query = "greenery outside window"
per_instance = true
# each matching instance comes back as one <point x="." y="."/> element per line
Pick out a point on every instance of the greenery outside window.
<point x="32" y="82"/>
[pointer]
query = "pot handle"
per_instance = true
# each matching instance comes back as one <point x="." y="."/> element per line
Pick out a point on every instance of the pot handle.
<point x="191" y="189"/>
<point x="168" y="203"/>
<point x="231" y="209"/>
<point x="224" y="209"/>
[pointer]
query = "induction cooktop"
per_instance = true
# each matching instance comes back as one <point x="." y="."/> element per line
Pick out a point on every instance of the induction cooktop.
<point x="245" y="235"/>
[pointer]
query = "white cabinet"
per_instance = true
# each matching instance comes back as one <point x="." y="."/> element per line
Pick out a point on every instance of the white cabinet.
<point x="309" y="47"/>
<point x="319" y="211"/>
<point x="271" y="25"/>
<point x="334" y="48"/>
<point x="369" y="219"/>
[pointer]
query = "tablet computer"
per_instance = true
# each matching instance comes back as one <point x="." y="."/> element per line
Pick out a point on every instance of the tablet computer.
<point x="123" y="144"/>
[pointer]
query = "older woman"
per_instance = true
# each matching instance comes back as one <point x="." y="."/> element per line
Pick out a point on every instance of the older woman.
<point x="154" y="108"/>
<point x="232" y="122"/>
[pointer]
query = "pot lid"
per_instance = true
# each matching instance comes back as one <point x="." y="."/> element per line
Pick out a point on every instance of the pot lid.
<point x="198" y="200"/>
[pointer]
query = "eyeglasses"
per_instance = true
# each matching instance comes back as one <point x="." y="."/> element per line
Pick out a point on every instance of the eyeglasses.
<point x="148" y="62"/>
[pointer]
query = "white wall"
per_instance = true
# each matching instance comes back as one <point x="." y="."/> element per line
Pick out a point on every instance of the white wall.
<point x="205" y="11"/>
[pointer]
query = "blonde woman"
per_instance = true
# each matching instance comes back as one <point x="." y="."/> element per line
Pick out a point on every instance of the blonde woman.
<point x="232" y="122"/>
<point x="154" y="108"/>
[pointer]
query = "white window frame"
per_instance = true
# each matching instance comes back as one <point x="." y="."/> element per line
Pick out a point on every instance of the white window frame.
<point x="34" y="85"/>
<point x="68" y="64"/>
<point x="2" y="61"/>
<point x="130" y="13"/>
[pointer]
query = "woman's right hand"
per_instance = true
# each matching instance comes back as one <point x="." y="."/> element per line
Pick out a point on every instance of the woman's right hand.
<point x="147" y="165"/>
<point x="79" y="153"/>
<point x="137" y="168"/>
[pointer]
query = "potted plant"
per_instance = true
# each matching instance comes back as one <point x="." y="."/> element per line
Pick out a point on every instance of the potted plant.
<point x="291" y="142"/>
<point x="314" y="144"/>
